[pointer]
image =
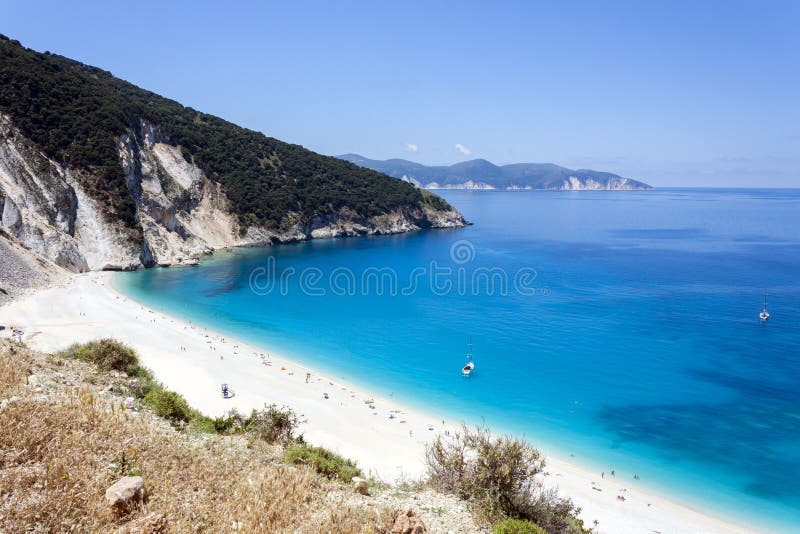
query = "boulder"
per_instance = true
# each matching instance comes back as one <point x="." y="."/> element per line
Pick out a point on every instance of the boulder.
<point x="361" y="486"/>
<point x="406" y="521"/>
<point x="152" y="523"/>
<point x="125" y="493"/>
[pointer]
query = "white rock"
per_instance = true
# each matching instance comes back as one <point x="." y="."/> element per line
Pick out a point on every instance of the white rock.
<point x="125" y="493"/>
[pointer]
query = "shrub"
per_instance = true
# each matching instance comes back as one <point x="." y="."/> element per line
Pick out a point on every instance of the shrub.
<point x="323" y="461"/>
<point x="499" y="474"/>
<point x="227" y="424"/>
<point x="107" y="354"/>
<point x="169" y="405"/>
<point x="517" y="526"/>
<point x="60" y="454"/>
<point x="273" y="424"/>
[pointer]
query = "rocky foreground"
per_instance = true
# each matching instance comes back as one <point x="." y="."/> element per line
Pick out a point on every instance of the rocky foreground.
<point x="73" y="457"/>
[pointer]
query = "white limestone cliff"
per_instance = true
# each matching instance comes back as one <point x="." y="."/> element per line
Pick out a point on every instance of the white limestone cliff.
<point x="180" y="213"/>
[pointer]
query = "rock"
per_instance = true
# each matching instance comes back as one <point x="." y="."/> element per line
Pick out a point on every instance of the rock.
<point x="406" y="521"/>
<point x="5" y="402"/>
<point x="152" y="523"/>
<point x="125" y="493"/>
<point x="34" y="380"/>
<point x="361" y="486"/>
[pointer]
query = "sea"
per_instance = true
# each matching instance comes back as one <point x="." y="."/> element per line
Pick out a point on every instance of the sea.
<point x="616" y="329"/>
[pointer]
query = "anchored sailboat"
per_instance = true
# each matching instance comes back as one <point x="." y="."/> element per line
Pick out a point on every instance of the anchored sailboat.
<point x="470" y="366"/>
<point x="764" y="315"/>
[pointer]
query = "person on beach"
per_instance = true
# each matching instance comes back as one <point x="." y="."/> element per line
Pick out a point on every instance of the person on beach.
<point x="308" y="376"/>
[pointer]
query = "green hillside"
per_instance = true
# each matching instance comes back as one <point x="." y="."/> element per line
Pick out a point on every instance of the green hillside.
<point x="76" y="112"/>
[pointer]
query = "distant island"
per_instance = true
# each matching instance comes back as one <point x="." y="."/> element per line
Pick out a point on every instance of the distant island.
<point x="484" y="175"/>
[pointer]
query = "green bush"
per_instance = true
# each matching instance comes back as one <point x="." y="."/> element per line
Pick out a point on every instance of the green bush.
<point x="273" y="424"/>
<point x="227" y="424"/>
<point x="323" y="461"/>
<point x="107" y="354"/>
<point x="204" y="424"/>
<point x="169" y="405"/>
<point x="517" y="526"/>
<point x="498" y="474"/>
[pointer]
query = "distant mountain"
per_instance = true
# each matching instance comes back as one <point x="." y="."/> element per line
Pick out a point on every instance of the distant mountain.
<point x="482" y="174"/>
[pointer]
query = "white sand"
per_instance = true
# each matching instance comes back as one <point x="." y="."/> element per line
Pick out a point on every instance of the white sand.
<point x="86" y="307"/>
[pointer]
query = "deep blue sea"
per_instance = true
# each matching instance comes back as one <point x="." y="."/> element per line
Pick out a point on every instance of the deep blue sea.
<point x="618" y="327"/>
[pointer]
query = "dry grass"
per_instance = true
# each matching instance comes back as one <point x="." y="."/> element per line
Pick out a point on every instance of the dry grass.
<point x="60" y="450"/>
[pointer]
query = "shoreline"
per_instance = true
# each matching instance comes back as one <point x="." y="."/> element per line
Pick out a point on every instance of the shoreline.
<point x="85" y="307"/>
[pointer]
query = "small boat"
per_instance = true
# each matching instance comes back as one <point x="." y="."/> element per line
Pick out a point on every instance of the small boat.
<point x="764" y="315"/>
<point x="470" y="366"/>
<point x="227" y="393"/>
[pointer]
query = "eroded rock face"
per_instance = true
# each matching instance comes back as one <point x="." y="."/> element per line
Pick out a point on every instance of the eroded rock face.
<point x="182" y="214"/>
<point x="38" y="207"/>
<point x="46" y="210"/>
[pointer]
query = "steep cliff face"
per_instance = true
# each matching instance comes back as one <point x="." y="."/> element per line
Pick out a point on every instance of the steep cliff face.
<point x="616" y="183"/>
<point x="572" y="183"/>
<point x="39" y="205"/>
<point x="180" y="212"/>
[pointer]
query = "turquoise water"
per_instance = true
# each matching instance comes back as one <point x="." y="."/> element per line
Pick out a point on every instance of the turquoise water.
<point x="627" y="336"/>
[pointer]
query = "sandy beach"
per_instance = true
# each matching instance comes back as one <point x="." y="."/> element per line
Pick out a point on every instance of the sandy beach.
<point x="386" y="439"/>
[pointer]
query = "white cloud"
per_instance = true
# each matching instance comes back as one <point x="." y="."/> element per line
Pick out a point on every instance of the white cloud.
<point x="411" y="147"/>
<point x="464" y="150"/>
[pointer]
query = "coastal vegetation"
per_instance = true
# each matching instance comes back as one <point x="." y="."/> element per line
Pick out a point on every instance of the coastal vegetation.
<point x="497" y="476"/>
<point x="112" y="356"/>
<point x="517" y="526"/>
<point x="323" y="461"/>
<point x="107" y="355"/>
<point x="272" y="425"/>
<point x="500" y="476"/>
<point x="77" y="113"/>
<point x="64" y="441"/>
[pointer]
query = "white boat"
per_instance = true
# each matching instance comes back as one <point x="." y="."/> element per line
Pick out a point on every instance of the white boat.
<point x="470" y="366"/>
<point x="764" y="315"/>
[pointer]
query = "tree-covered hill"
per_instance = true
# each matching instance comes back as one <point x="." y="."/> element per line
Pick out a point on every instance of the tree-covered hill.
<point x="75" y="113"/>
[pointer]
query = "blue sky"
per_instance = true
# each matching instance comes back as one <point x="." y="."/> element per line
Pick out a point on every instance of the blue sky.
<point x="672" y="93"/>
